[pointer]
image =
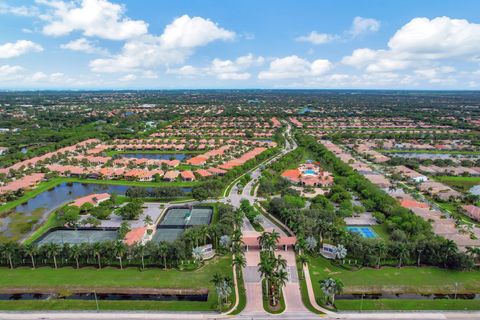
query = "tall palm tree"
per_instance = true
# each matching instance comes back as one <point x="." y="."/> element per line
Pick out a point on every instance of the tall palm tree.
<point x="162" y="252"/>
<point x="10" y="250"/>
<point x="97" y="252"/>
<point x="303" y="259"/>
<point x="75" y="253"/>
<point x="52" y="250"/>
<point x="119" y="250"/>
<point x="448" y="247"/>
<point x="265" y="267"/>
<point x="239" y="262"/>
<point x="330" y="288"/>
<point x="31" y="250"/>
<point x="279" y="279"/>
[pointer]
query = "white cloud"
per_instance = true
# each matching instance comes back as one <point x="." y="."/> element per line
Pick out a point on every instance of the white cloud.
<point x="8" y="70"/>
<point x="185" y="71"/>
<point x="18" y="11"/>
<point x="38" y="76"/>
<point x="294" y="67"/>
<point x="95" y="18"/>
<point x="234" y="70"/>
<point x="174" y="46"/>
<point x="316" y="38"/>
<point x="419" y="43"/>
<point x="149" y="74"/>
<point x="186" y="32"/>
<point x="128" y="78"/>
<point x="361" y="26"/>
<point x="14" y="49"/>
<point x="83" y="45"/>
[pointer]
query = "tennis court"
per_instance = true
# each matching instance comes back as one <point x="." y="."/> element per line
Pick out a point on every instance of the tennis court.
<point x="200" y="216"/>
<point x="167" y="234"/>
<point x="177" y="219"/>
<point x="78" y="236"/>
<point x="365" y="232"/>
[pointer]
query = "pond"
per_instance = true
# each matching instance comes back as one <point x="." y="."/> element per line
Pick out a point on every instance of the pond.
<point x="475" y="190"/>
<point x="432" y="156"/>
<point x="66" y="192"/>
<point x="106" y="296"/>
<point x="157" y="156"/>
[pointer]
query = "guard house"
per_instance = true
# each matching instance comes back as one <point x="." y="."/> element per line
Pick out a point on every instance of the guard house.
<point x="251" y="241"/>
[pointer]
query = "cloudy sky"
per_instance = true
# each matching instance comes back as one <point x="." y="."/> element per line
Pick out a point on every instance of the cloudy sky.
<point x="119" y="44"/>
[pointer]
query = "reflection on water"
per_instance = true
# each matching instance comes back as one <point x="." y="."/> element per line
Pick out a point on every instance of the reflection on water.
<point x="66" y="192"/>
<point x="475" y="190"/>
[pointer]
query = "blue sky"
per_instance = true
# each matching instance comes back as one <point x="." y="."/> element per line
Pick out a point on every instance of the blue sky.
<point x="115" y="44"/>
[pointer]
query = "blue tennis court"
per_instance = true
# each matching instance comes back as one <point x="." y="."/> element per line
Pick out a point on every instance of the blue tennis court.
<point x="365" y="232"/>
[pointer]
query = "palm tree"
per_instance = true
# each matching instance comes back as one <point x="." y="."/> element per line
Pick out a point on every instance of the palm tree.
<point x="147" y="220"/>
<point x="31" y="250"/>
<point x="239" y="262"/>
<point x="119" y="250"/>
<point x="265" y="267"/>
<point x="448" y="247"/>
<point x="401" y="253"/>
<point x="52" y="250"/>
<point x="75" y="253"/>
<point x="341" y="252"/>
<point x="10" y="249"/>
<point x="303" y="259"/>
<point x="97" y="252"/>
<point x="197" y="254"/>
<point x="163" y="251"/>
<point x="279" y="279"/>
<point x="380" y="250"/>
<point x="330" y="287"/>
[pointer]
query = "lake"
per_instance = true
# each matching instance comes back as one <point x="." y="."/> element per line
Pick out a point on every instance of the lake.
<point x="66" y="192"/>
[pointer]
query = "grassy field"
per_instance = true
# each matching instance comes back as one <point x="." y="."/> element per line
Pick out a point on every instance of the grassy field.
<point x="397" y="280"/>
<point x="67" y="278"/>
<point x="388" y="304"/>
<point x="461" y="183"/>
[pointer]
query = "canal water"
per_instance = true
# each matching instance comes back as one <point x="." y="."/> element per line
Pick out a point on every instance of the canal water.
<point x="158" y="156"/>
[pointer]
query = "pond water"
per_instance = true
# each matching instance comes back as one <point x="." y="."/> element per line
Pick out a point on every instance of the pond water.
<point x="475" y="190"/>
<point x="106" y="296"/>
<point x="157" y="156"/>
<point x="66" y="192"/>
<point x="431" y="156"/>
<point x="409" y="296"/>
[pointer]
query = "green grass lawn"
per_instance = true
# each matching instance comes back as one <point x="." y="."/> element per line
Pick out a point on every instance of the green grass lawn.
<point x="397" y="280"/>
<point x="89" y="278"/>
<point x="459" y="182"/>
<point x="388" y="304"/>
<point x="381" y="231"/>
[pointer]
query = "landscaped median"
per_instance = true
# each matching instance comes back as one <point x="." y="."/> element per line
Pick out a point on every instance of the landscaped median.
<point x="422" y="281"/>
<point x="64" y="281"/>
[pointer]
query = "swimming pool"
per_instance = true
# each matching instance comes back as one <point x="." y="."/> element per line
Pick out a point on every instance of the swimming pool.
<point x="309" y="171"/>
<point x="365" y="232"/>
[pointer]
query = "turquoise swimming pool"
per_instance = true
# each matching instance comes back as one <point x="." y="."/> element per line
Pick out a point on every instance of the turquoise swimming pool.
<point x="365" y="232"/>
<point x="309" y="171"/>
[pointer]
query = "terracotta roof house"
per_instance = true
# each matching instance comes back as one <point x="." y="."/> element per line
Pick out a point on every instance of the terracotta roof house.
<point x="22" y="183"/>
<point x="171" y="175"/>
<point x="136" y="235"/>
<point x="187" y="175"/>
<point x="93" y="199"/>
<point x="407" y="203"/>
<point x="472" y="211"/>
<point x="217" y="171"/>
<point x="203" y="173"/>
